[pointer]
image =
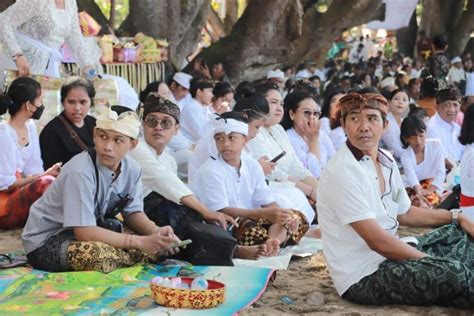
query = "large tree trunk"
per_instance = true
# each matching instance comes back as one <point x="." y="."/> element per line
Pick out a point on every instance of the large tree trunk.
<point x="179" y="22"/>
<point x="406" y="37"/>
<point x="449" y="18"/>
<point x="271" y="33"/>
<point x="231" y="14"/>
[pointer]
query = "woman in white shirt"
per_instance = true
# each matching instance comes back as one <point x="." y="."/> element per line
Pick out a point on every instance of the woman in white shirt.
<point x="398" y="107"/>
<point x="22" y="178"/>
<point x="467" y="163"/>
<point x="301" y="121"/>
<point x="422" y="161"/>
<point x="271" y="141"/>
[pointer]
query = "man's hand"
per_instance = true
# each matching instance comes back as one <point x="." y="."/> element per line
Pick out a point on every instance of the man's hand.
<point x="219" y="218"/>
<point x="466" y="224"/>
<point x="277" y="215"/>
<point x="161" y="241"/>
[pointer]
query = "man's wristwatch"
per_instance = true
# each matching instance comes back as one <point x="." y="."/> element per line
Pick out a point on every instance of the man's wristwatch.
<point x="455" y="216"/>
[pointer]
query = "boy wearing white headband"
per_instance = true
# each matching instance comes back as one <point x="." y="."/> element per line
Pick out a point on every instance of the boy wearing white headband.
<point x="235" y="185"/>
<point x="73" y="226"/>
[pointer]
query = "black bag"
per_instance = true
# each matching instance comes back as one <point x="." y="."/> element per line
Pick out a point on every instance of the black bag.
<point x="211" y="245"/>
<point x="107" y="220"/>
<point x="452" y="201"/>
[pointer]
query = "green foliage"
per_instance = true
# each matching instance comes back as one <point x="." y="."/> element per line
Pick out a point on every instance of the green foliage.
<point x="121" y="9"/>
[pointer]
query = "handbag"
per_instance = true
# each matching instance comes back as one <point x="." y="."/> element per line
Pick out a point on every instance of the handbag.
<point x="211" y="245"/>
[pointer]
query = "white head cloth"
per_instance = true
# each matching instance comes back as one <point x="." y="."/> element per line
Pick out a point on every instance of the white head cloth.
<point x="126" y="123"/>
<point x="227" y="126"/>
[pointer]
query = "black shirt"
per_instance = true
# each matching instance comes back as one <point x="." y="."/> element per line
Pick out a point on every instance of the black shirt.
<point x="56" y="143"/>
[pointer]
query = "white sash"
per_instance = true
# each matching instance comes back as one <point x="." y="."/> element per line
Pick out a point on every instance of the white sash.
<point x="55" y="57"/>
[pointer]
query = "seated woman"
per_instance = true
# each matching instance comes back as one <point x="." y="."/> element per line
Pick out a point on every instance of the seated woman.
<point x="398" y="107"/>
<point x="234" y="184"/>
<point x="467" y="163"/>
<point x="301" y="122"/>
<point x="330" y="100"/>
<point x="71" y="132"/>
<point x="271" y="141"/>
<point x="423" y="163"/>
<point x="73" y="226"/>
<point x="22" y="177"/>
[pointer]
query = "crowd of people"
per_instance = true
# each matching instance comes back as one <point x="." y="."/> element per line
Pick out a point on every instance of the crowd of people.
<point x="346" y="154"/>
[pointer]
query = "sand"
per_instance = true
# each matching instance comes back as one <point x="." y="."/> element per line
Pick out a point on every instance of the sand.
<point x="308" y="286"/>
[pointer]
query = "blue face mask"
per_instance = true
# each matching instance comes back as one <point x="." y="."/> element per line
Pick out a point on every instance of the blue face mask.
<point x="37" y="114"/>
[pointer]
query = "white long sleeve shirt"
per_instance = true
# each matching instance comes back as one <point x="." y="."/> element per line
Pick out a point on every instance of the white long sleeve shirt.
<point x="432" y="167"/>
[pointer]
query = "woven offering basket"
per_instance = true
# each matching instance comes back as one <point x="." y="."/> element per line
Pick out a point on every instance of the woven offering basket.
<point x="192" y="299"/>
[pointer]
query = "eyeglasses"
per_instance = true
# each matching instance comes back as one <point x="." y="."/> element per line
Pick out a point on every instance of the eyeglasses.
<point x="307" y="114"/>
<point x="153" y="122"/>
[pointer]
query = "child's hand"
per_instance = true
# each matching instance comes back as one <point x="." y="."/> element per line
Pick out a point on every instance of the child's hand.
<point x="54" y="170"/>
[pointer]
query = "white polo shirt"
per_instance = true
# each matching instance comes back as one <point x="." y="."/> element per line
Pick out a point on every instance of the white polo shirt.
<point x="348" y="192"/>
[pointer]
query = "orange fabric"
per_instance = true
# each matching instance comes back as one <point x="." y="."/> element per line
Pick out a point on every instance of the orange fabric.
<point x="15" y="205"/>
<point x="429" y="105"/>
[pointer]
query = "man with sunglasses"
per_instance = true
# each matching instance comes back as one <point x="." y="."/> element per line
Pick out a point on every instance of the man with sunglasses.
<point x="361" y="203"/>
<point x="159" y="169"/>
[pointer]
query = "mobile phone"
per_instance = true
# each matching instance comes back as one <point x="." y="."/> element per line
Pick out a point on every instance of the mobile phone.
<point x="182" y="243"/>
<point x="283" y="153"/>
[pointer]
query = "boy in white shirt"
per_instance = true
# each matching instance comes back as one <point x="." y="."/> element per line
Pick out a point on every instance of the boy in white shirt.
<point x="235" y="185"/>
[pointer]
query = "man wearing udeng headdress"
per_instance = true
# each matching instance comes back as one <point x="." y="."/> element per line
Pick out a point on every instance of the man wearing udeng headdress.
<point x="73" y="226"/>
<point x="361" y="203"/>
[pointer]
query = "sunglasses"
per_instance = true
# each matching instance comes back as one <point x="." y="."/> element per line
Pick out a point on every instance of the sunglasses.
<point x="307" y="114"/>
<point x="153" y="122"/>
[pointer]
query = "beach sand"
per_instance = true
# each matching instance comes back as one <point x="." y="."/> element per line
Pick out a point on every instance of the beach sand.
<point x="308" y="286"/>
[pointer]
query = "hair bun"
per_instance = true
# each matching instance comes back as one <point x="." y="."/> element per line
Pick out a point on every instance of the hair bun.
<point x="5" y="104"/>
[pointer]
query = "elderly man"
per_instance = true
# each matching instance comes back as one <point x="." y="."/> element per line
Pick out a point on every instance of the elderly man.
<point x="443" y="127"/>
<point x="361" y="203"/>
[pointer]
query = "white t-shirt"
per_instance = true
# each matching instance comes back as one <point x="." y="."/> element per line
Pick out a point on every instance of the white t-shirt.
<point x="194" y="120"/>
<point x="348" y="192"/>
<point x="448" y="134"/>
<point x="338" y="137"/>
<point x="219" y="185"/>
<point x="308" y="159"/>
<point x="271" y="142"/>
<point x="467" y="178"/>
<point x="432" y="167"/>
<point x="15" y="158"/>
<point x="391" y="137"/>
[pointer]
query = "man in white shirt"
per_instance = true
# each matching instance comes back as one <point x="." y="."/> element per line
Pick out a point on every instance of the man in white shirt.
<point x="456" y="73"/>
<point x="443" y="127"/>
<point x="159" y="169"/>
<point x="362" y="201"/>
<point x="195" y="115"/>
